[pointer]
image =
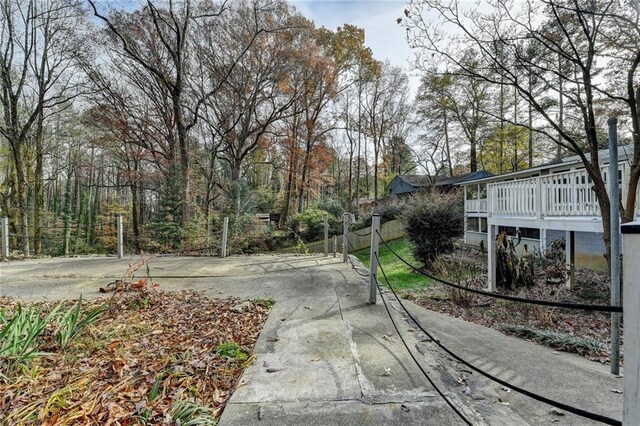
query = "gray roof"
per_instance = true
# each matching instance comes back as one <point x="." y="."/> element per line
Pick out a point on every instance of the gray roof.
<point x="416" y="181"/>
<point x="456" y="180"/>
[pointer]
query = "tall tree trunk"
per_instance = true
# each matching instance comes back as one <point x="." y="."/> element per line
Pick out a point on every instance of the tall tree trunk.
<point x="38" y="190"/>
<point x="67" y="212"/>
<point x="560" y="104"/>
<point x="134" y="207"/>
<point x="23" y="211"/>
<point x="446" y="140"/>
<point x="376" y="149"/>
<point x="303" y="176"/>
<point x="289" y="187"/>
<point x="530" y="125"/>
<point x="473" y="154"/>
<point x="501" y="138"/>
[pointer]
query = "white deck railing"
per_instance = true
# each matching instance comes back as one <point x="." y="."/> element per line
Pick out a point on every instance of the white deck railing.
<point x="478" y="205"/>
<point x="555" y="195"/>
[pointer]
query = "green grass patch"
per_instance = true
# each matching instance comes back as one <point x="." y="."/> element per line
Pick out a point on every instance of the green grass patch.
<point x="232" y="350"/>
<point x="401" y="276"/>
<point x="265" y="303"/>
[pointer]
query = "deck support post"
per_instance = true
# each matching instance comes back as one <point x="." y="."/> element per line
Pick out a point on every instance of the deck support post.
<point x="570" y="258"/>
<point x="373" y="258"/>
<point x="543" y="240"/>
<point x="491" y="257"/>
<point x="631" y="301"/>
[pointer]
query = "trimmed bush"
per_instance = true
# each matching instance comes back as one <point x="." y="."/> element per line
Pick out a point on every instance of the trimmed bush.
<point x="432" y="222"/>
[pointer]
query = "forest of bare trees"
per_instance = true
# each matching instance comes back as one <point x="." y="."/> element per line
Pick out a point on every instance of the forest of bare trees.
<point x="177" y="113"/>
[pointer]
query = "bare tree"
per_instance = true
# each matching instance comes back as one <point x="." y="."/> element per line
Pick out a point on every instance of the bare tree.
<point x="582" y="34"/>
<point x="38" y="46"/>
<point x="385" y="104"/>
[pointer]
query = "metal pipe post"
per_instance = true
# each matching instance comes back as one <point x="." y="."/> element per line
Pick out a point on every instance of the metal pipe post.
<point x="4" y="230"/>
<point x="614" y="197"/>
<point x="225" y="233"/>
<point x="325" y="218"/>
<point x="345" y="234"/>
<point x="373" y="258"/>
<point x="120" y="236"/>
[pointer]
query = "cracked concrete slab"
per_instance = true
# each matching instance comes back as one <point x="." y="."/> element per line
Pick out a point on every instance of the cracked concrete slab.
<point x="326" y="356"/>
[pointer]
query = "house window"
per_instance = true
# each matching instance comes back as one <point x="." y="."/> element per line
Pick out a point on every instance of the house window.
<point x="483" y="224"/>
<point x="473" y="224"/>
<point x="530" y="233"/>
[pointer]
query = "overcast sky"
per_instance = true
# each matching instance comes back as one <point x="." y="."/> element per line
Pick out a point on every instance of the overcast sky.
<point x="378" y="18"/>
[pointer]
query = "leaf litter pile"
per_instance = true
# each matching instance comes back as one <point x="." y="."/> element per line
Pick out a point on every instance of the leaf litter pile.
<point x="145" y="358"/>
<point x="582" y="332"/>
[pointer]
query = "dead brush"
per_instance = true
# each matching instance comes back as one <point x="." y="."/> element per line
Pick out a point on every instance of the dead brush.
<point x="128" y="281"/>
<point x="544" y="315"/>
<point x="460" y="271"/>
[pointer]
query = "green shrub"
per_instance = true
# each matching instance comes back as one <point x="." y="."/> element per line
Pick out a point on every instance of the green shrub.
<point x="309" y="224"/>
<point x="332" y="206"/>
<point x="432" y="222"/>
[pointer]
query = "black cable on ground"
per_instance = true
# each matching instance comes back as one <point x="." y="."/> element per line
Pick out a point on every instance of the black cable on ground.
<point x="447" y="400"/>
<point x="577" y="411"/>
<point x="600" y="308"/>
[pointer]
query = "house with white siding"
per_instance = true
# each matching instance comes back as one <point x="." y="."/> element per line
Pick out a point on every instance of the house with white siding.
<point x="544" y="203"/>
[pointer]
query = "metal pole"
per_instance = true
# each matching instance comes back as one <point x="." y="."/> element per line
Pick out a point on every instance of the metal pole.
<point x="4" y="229"/>
<point x="614" y="197"/>
<point x="345" y="241"/>
<point x="335" y="245"/>
<point x="570" y="259"/>
<point x="325" y="218"/>
<point x="373" y="258"/>
<point x="225" y="233"/>
<point x="631" y="271"/>
<point x="120" y="236"/>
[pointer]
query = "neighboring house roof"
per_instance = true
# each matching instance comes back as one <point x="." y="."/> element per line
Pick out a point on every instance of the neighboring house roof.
<point x="624" y="151"/>
<point x="457" y="180"/>
<point x="416" y="181"/>
<point x="409" y="183"/>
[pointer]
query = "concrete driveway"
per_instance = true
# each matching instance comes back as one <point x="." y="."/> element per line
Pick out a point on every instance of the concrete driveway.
<point x="327" y="357"/>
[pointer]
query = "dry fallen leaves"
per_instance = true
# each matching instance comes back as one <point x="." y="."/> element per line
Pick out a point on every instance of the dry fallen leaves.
<point x="135" y="362"/>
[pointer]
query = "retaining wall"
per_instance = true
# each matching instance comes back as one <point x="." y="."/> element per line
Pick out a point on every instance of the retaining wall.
<point x="389" y="231"/>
